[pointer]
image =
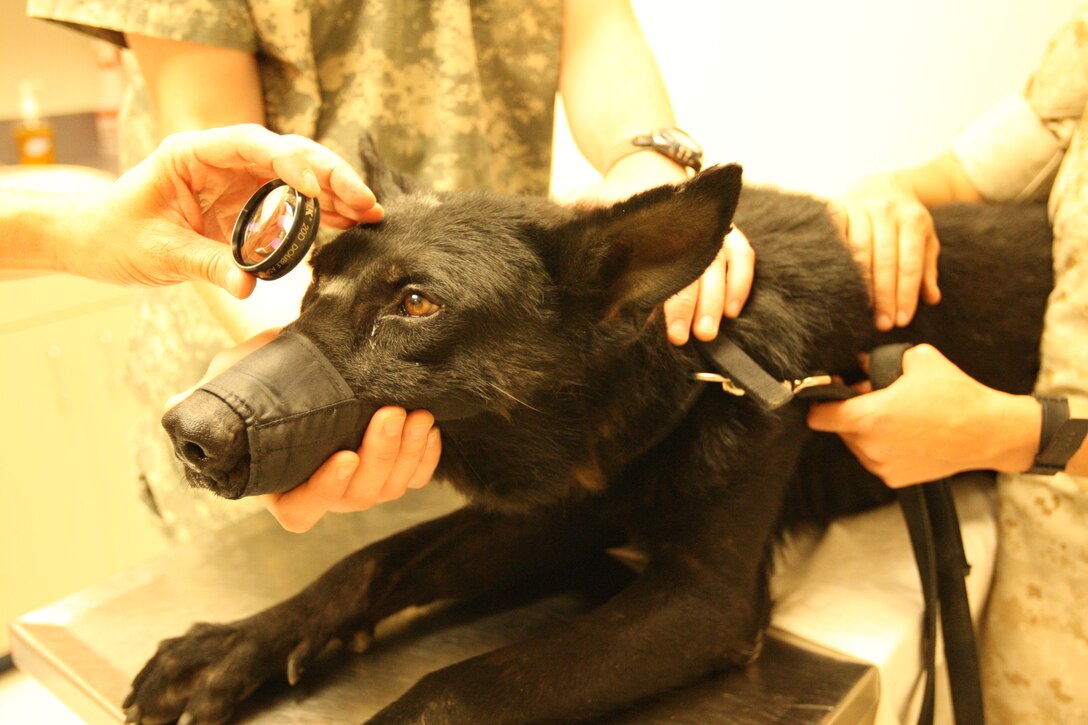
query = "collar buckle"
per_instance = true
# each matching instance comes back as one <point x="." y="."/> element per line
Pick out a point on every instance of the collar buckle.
<point x="790" y="386"/>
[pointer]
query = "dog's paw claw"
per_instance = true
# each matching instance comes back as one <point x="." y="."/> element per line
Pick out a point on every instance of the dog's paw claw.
<point x="360" y="642"/>
<point x="132" y="712"/>
<point x="305" y="653"/>
<point x="295" y="666"/>
<point x="186" y="719"/>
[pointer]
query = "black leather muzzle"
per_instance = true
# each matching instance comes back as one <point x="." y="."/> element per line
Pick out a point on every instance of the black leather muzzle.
<point x="294" y="406"/>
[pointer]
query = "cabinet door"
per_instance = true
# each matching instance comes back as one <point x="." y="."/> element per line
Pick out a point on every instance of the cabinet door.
<point x="69" y="509"/>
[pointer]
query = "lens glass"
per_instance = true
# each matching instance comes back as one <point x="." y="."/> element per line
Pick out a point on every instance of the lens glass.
<point x="269" y="224"/>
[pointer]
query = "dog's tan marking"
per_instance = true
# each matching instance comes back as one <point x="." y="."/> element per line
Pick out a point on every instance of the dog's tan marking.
<point x="401" y="621"/>
<point x="339" y="287"/>
<point x="360" y="641"/>
<point x="590" y="476"/>
<point x="630" y="556"/>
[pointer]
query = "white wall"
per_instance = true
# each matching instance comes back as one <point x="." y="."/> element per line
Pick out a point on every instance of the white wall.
<point x="62" y="59"/>
<point x="809" y="94"/>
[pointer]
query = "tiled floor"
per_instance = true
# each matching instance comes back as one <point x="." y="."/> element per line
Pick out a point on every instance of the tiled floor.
<point x="24" y="702"/>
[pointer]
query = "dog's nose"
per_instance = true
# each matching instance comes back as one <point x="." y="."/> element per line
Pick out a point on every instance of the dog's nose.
<point x="210" y="439"/>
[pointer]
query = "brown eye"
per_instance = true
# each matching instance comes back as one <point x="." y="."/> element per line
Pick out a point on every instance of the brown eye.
<point x="416" y="305"/>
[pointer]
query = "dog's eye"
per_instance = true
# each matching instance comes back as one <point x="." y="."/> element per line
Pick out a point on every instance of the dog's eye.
<point x="417" y="305"/>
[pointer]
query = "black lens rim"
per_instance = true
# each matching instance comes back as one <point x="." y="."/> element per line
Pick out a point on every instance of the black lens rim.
<point x="300" y="237"/>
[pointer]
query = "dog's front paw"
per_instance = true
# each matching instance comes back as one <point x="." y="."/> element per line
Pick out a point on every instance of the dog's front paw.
<point x="202" y="676"/>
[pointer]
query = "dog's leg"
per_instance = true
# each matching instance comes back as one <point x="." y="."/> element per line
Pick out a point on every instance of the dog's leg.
<point x="687" y="615"/>
<point x="208" y="671"/>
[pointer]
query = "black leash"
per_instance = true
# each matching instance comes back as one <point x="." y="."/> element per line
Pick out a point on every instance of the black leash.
<point x="928" y="508"/>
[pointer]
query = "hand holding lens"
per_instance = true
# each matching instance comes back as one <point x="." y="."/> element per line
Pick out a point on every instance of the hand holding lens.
<point x="292" y="407"/>
<point x="274" y="230"/>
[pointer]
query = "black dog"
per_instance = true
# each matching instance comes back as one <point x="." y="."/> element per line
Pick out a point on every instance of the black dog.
<point x="535" y="334"/>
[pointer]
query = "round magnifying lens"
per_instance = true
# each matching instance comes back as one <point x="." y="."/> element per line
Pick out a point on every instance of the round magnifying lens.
<point x="274" y="230"/>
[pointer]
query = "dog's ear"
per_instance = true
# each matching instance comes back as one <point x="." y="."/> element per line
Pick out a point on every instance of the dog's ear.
<point x="386" y="183"/>
<point x="635" y="254"/>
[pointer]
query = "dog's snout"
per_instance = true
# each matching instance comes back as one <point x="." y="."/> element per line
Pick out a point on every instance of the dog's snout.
<point x="209" y="438"/>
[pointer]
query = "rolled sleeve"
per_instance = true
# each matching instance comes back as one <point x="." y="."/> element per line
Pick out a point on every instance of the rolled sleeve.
<point x="221" y="23"/>
<point x="1009" y="153"/>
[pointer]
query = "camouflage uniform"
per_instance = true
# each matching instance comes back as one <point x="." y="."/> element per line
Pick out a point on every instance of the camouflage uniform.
<point x="1035" y="636"/>
<point x="457" y="93"/>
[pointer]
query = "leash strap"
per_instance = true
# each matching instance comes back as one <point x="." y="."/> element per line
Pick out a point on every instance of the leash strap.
<point x="930" y="514"/>
<point x="885" y="367"/>
<point x="960" y="649"/>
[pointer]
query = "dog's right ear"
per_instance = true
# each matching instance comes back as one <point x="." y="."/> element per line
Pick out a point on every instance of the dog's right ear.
<point x="632" y="256"/>
<point x="385" y="182"/>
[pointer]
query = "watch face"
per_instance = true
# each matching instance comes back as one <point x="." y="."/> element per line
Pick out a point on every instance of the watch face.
<point x="681" y="138"/>
<point x="679" y="147"/>
<point x="673" y="144"/>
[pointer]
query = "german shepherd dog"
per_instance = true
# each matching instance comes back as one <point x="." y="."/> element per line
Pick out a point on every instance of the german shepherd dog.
<point x="534" y="332"/>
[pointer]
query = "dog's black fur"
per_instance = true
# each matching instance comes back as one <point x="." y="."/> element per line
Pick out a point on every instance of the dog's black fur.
<point x="573" y="426"/>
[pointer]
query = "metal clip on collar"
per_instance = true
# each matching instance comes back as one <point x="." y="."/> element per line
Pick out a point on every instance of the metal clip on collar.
<point x="790" y="386"/>
<point x="739" y="374"/>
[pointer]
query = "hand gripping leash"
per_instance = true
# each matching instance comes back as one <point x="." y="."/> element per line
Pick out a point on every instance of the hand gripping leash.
<point x="934" y="527"/>
<point x="928" y="508"/>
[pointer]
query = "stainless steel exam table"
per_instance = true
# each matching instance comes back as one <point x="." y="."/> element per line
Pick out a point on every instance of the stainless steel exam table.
<point x="87" y="647"/>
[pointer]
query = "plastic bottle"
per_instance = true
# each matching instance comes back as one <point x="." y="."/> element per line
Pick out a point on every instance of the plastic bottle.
<point x="111" y="90"/>
<point x="35" y="139"/>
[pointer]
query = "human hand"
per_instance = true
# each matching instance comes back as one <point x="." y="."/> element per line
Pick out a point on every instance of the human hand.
<point x="169" y="218"/>
<point x="723" y="288"/>
<point x="893" y="240"/>
<point x="399" y="451"/>
<point x="932" y="422"/>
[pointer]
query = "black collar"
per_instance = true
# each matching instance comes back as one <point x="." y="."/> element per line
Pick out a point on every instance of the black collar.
<point x="739" y="374"/>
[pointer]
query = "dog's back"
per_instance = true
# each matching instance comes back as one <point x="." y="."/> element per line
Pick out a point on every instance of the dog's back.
<point x="995" y="277"/>
<point x="994" y="272"/>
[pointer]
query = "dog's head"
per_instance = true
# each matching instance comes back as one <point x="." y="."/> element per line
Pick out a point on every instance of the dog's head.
<point x="465" y="304"/>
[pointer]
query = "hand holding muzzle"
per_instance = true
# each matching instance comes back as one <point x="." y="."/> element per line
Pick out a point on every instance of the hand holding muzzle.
<point x="268" y="422"/>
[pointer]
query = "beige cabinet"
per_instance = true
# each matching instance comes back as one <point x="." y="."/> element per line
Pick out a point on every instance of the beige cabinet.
<point x="69" y="508"/>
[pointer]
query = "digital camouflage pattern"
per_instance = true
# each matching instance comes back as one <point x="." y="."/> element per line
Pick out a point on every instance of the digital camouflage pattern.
<point x="457" y="93"/>
<point x="1035" y="633"/>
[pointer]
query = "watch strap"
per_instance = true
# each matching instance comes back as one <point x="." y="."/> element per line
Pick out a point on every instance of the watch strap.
<point x="1059" y="438"/>
<point x="672" y="143"/>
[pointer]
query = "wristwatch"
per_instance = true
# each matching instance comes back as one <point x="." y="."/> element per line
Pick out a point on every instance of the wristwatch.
<point x="672" y="143"/>
<point x="1060" y="438"/>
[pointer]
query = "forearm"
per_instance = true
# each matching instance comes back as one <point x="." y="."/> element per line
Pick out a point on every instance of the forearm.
<point x="611" y="86"/>
<point x="1007" y="433"/>
<point x="28" y="235"/>
<point x="934" y="183"/>
<point x="38" y="233"/>
<point x="936" y="421"/>
<point x="193" y="86"/>
<point x="1009" y="437"/>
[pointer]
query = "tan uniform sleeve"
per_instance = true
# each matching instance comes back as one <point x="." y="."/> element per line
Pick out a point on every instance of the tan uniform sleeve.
<point x="1013" y="151"/>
